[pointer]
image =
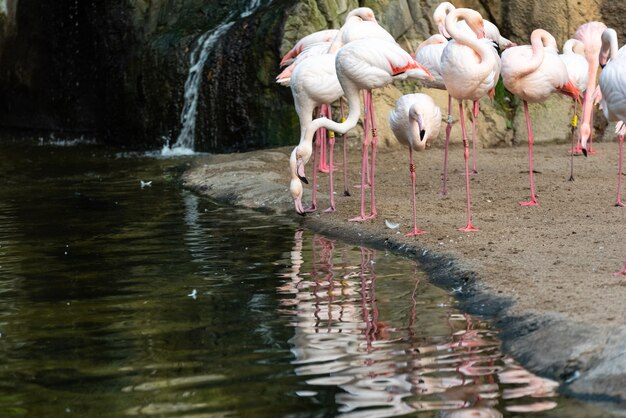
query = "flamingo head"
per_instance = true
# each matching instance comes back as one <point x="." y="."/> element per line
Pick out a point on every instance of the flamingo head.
<point x="365" y="13"/>
<point x="475" y="21"/>
<point x="297" y="176"/>
<point x="609" y="36"/>
<point x="585" y="133"/>
<point x="416" y="116"/>
<point x="295" y="187"/>
<point x="439" y="16"/>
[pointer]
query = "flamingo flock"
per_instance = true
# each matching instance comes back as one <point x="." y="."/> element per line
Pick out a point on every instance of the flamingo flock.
<point x="466" y="58"/>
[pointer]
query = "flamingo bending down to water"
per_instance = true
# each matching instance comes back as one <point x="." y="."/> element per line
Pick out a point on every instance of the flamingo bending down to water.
<point x="470" y="68"/>
<point x="314" y="83"/>
<point x="613" y="87"/>
<point x="573" y="57"/>
<point x="415" y="122"/>
<point x="364" y="65"/>
<point x="590" y="35"/>
<point x="533" y="72"/>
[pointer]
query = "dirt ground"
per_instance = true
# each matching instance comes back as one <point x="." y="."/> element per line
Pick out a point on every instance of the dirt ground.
<point x="554" y="262"/>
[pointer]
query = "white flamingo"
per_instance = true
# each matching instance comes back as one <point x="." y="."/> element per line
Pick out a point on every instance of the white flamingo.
<point x="415" y="122"/>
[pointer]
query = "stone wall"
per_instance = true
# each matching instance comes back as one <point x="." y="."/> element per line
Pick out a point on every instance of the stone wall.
<point x="119" y="71"/>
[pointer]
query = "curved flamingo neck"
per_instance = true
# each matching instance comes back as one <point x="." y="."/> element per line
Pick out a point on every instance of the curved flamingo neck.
<point x="466" y="38"/>
<point x="351" y="93"/>
<point x="609" y="46"/>
<point x="574" y="46"/>
<point x="439" y="17"/>
<point x="338" y="41"/>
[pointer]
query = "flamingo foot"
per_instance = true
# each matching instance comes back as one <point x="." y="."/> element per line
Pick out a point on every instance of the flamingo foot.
<point x="311" y="209"/>
<point x="443" y="194"/>
<point x="619" y="204"/>
<point x="330" y="210"/>
<point x="468" y="228"/>
<point x="531" y="202"/>
<point x="358" y="219"/>
<point x="576" y="151"/>
<point x="622" y="272"/>
<point x="474" y="172"/>
<point x="415" y="232"/>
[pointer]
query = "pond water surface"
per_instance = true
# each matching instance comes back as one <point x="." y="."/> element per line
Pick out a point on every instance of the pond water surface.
<point x="120" y="297"/>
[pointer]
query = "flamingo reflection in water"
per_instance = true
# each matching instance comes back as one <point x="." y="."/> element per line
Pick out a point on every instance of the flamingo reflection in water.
<point x="384" y="357"/>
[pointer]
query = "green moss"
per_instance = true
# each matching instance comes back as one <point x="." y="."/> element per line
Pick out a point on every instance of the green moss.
<point x="505" y="102"/>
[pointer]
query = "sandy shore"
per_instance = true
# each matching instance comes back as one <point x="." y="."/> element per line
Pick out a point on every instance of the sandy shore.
<point x="544" y="272"/>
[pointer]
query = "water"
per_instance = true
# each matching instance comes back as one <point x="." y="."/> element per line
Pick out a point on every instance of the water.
<point x="123" y="300"/>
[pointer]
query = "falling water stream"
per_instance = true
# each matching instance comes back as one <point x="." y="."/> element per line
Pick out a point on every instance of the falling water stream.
<point x="122" y="294"/>
<point x="185" y="143"/>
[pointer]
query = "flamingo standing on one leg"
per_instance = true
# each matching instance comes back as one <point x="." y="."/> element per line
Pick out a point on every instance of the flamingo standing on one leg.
<point x="363" y="65"/>
<point x="533" y="73"/>
<point x="314" y="83"/>
<point x="613" y="87"/>
<point x="589" y="34"/>
<point x="492" y="33"/>
<point x="470" y="68"/>
<point x="415" y="122"/>
<point x="573" y="57"/>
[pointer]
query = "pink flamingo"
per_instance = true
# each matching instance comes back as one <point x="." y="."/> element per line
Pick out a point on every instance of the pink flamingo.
<point x="314" y="83"/>
<point x="415" y="122"/>
<point x="590" y="35"/>
<point x="433" y="52"/>
<point x="533" y="73"/>
<point x="470" y="68"/>
<point x="365" y="64"/>
<point x="491" y="31"/>
<point x="573" y="57"/>
<point x="613" y="87"/>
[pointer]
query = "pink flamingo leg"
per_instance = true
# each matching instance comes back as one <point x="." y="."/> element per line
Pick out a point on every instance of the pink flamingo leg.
<point x="591" y="150"/>
<point x="444" y="189"/>
<point x="323" y="167"/>
<point x="469" y="227"/>
<point x="412" y="170"/>
<point x="331" y="184"/>
<point x="474" y="138"/>
<point x="622" y="272"/>
<point x="313" y="206"/>
<point x="345" y="152"/>
<point x="364" y="165"/>
<point x="533" y="198"/>
<point x="373" y="211"/>
<point x="618" y="202"/>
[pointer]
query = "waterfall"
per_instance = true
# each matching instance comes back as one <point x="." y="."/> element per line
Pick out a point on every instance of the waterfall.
<point x="185" y="142"/>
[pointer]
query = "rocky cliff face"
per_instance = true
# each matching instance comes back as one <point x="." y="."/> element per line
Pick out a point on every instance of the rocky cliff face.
<point x="119" y="71"/>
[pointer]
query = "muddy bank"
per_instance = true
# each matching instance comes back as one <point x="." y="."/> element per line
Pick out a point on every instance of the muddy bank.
<point x="544" y="273"/>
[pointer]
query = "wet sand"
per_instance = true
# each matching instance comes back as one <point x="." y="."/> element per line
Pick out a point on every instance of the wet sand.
<point x="544" y="273"/>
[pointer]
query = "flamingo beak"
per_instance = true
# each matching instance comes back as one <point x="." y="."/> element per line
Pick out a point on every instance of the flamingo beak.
<point x="300" y="171"/>
<point x="299" y="208"/>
